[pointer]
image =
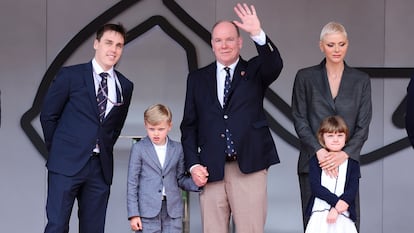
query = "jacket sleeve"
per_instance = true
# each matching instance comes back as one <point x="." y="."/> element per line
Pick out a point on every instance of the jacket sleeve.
<point x="189" y="124"/>
<point x="317" y="189"/>
<point x="53" y="105"/>
<point x="354" y="145"/>
<point x="300" y="114"/>
<point x="184" y="181"/>
<point x="134" y="170"/>
<point x="352" y="182"/>
<point x="270" y="60"/>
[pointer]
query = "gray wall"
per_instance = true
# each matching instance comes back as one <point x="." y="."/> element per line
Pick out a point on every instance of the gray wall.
<point x="34" y="32"/>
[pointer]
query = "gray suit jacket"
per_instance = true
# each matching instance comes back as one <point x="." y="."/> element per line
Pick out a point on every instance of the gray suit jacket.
<point x="312" y="102"/>
<point x="146" y="178"/>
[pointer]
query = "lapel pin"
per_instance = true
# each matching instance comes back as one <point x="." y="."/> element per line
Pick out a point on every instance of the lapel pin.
<point x="242" y="73"/>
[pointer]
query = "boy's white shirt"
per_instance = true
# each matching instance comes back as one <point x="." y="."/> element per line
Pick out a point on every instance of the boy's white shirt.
<point x="161" y="151"/>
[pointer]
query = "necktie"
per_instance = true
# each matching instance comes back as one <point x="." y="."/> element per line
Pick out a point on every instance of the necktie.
<point x="101" y="97"/>
<point x="230" y="152"/>
<point x="227" y="85"/>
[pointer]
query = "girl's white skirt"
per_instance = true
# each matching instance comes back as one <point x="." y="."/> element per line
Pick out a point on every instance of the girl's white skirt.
<point x="318" y="224"/>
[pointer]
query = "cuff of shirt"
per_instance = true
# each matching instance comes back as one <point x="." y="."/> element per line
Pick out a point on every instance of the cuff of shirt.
<point x="260" y="39"/>
<point x="195" y="165"/>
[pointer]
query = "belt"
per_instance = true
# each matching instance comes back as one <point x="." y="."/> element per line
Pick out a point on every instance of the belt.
<point x="231" y="157"/>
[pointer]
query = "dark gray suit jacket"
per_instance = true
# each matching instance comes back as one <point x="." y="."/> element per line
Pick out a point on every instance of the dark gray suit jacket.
<point x="312" y="102"/>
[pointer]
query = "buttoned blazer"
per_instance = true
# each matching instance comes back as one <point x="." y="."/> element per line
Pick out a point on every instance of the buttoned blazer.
<point x="312" y="102"/>
<point x="71" y="125"/>
<point x="204" y="121"/>
<point x="146" y="179"/>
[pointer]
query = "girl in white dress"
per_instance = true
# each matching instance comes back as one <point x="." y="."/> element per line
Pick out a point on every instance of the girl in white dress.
<point x="332" y="206"/>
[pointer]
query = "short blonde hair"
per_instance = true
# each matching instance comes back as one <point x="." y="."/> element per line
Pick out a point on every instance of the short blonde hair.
<point x="157" y="113"/>
<point x="333" y="27"/>
<point x="332" y="124"/>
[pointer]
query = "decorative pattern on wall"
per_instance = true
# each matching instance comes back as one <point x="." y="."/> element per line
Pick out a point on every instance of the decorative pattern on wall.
<point x="192" y="63"/>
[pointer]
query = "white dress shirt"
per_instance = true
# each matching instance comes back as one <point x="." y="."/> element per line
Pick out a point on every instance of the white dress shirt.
<point x="111" y="81"/>
<point x="221" y="73"/>
<point x="161" y="153"/>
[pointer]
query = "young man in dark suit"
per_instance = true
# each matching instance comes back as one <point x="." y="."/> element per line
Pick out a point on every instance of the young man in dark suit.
<point x="82" y="117"/>
<point x="227" y="144"/>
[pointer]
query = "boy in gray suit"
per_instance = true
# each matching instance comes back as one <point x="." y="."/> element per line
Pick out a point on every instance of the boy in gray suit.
<point x="155" y="174"/>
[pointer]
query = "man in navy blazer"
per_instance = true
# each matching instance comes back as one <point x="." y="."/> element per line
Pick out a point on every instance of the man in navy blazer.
<point x="234" y="182"/>
<point x="79" y="142"/>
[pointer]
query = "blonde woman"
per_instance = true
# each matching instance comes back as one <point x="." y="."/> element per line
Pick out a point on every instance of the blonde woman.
<point x="330" y="88"/>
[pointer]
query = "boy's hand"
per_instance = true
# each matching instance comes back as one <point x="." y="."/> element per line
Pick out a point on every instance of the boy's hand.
<point x="135" y="223"/>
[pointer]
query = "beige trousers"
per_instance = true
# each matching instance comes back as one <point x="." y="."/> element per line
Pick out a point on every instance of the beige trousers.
<point x="240" y="196"/>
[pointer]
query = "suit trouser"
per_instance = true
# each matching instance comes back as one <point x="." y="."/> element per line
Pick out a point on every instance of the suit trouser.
<point x="240" y="196"/>
<point x="162" y="223"/>
<point x="89" y="188"/>
<point x="306" y="194"/>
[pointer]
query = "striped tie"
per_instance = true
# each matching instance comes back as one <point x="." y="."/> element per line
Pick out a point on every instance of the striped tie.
<point x="101" y="97"/>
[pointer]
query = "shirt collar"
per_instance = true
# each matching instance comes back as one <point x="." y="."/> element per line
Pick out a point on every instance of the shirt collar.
<point x="232" y="66"/>
<point x="98" y="69"/>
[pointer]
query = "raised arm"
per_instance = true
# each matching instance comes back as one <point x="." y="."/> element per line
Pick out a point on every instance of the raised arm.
<point x="249" y="20"/>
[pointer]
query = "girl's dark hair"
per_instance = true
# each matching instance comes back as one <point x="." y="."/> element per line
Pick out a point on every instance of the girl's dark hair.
<point x="332" y="124"/>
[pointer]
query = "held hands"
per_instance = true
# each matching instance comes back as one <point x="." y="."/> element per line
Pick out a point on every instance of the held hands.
<point x="135" y="223"/>
<point x="330" y="161"/>
<point x="200" y="175"/>
<point x="250" y="22"/>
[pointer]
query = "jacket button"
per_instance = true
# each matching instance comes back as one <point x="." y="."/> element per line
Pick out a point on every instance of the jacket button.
<point x="222" y="135"/>
<point x="225" y="117"/>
